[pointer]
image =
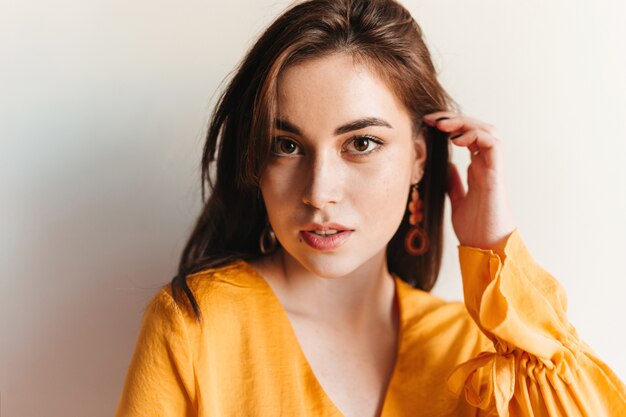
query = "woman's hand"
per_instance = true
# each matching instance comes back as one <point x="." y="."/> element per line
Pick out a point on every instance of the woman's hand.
<point x="481" y="217"/>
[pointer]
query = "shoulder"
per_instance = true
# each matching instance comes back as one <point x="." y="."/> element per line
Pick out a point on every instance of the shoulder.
<point x="233" y="278"/>
<point x="229" y="288"/>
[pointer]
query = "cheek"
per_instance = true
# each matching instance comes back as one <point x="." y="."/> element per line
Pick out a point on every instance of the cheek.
<point x="279" y="185"/>
<point x="374" y="193"/>
<point x="386" y="199"/>
<point x="382" y="197"/>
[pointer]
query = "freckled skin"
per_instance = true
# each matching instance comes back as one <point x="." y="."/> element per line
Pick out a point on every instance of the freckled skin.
<point x="320" y="177"/>
<point x="340" y="302"/>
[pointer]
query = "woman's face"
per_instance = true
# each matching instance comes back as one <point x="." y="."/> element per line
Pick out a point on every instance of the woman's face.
<point x="344" y="152"/>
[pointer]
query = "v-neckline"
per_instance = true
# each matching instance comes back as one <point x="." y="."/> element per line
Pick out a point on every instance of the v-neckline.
<point x="300" y="352"/>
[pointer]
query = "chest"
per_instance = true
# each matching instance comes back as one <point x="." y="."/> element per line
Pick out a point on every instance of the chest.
<point x="254" y="360"/>
<point x="352" y="368"/>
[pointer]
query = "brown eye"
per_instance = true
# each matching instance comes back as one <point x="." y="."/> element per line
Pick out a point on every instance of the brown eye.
<point x="284" y="146"/>
<point x="287" y="147"/>
<point x="364" y="145"/>
<point x="361" y="144"/>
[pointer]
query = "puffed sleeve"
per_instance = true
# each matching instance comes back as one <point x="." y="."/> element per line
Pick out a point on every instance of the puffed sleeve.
<point x="536" y="364"/>
<point x="160" y="379"/>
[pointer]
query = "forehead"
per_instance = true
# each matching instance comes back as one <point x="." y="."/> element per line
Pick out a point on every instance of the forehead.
<point x="331" y="90"/>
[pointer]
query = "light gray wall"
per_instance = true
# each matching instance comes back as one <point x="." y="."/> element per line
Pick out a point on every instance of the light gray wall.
<point x="103" y="105"/>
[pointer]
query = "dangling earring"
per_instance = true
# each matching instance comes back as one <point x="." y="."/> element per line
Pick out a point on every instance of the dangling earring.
<point x="267" y="241"/>
<point x="416" y="232"/>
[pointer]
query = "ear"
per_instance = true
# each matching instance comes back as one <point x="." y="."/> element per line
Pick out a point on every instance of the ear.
<point x="419" y="156"/>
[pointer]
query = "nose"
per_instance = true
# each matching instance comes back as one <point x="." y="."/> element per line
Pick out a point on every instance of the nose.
<point x="323" y="181"/>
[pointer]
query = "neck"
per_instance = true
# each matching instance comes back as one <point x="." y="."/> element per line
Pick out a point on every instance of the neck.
<point x="363" y="296"/>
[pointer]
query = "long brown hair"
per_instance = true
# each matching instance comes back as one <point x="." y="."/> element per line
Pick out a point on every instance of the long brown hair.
<point x="379" y="33"/>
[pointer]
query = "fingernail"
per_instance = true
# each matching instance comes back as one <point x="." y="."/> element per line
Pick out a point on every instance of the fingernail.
<point x="456" y="137"/>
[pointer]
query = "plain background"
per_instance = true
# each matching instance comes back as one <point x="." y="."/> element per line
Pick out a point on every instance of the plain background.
<point x="103" y="108"/>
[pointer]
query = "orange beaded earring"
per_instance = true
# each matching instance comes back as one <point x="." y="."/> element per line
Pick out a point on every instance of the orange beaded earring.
<point x="416" y="232"/>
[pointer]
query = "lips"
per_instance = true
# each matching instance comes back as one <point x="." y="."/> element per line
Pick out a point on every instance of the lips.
<point x="313" y="227"/>
<point x="325" y="237"/>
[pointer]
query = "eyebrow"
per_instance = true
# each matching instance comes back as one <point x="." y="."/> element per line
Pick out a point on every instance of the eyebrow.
<point x="348" y="127"/>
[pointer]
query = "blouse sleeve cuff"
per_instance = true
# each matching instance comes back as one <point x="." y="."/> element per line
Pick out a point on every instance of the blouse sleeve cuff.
<point x="515" y="302"/>
<point x="536" y="355"/>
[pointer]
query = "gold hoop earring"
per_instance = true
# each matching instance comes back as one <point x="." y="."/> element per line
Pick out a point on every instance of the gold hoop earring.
<point x="267" y="240"/>
<point x="416" y="232"/>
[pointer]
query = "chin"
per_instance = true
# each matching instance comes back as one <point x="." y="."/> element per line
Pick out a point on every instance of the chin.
<point x="330" y="265"/>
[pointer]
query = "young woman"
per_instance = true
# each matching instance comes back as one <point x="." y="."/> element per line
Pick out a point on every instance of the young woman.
<point x="303" y="290"/>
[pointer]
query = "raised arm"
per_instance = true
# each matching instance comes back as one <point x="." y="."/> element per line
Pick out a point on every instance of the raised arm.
<point x="538" y="366"/>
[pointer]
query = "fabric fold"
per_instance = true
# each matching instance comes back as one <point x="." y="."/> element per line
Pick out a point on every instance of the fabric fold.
<point x="537" y="361"/>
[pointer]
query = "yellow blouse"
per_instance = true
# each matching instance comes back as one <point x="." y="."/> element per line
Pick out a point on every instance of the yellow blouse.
<point x="508" y="351"/>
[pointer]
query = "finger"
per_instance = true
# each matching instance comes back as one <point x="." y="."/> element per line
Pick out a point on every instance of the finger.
<point x="476" y="140"/>
<point x="456" y="124"/>
<point x="432" y="118"/>
<point x="456" y="189"/>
